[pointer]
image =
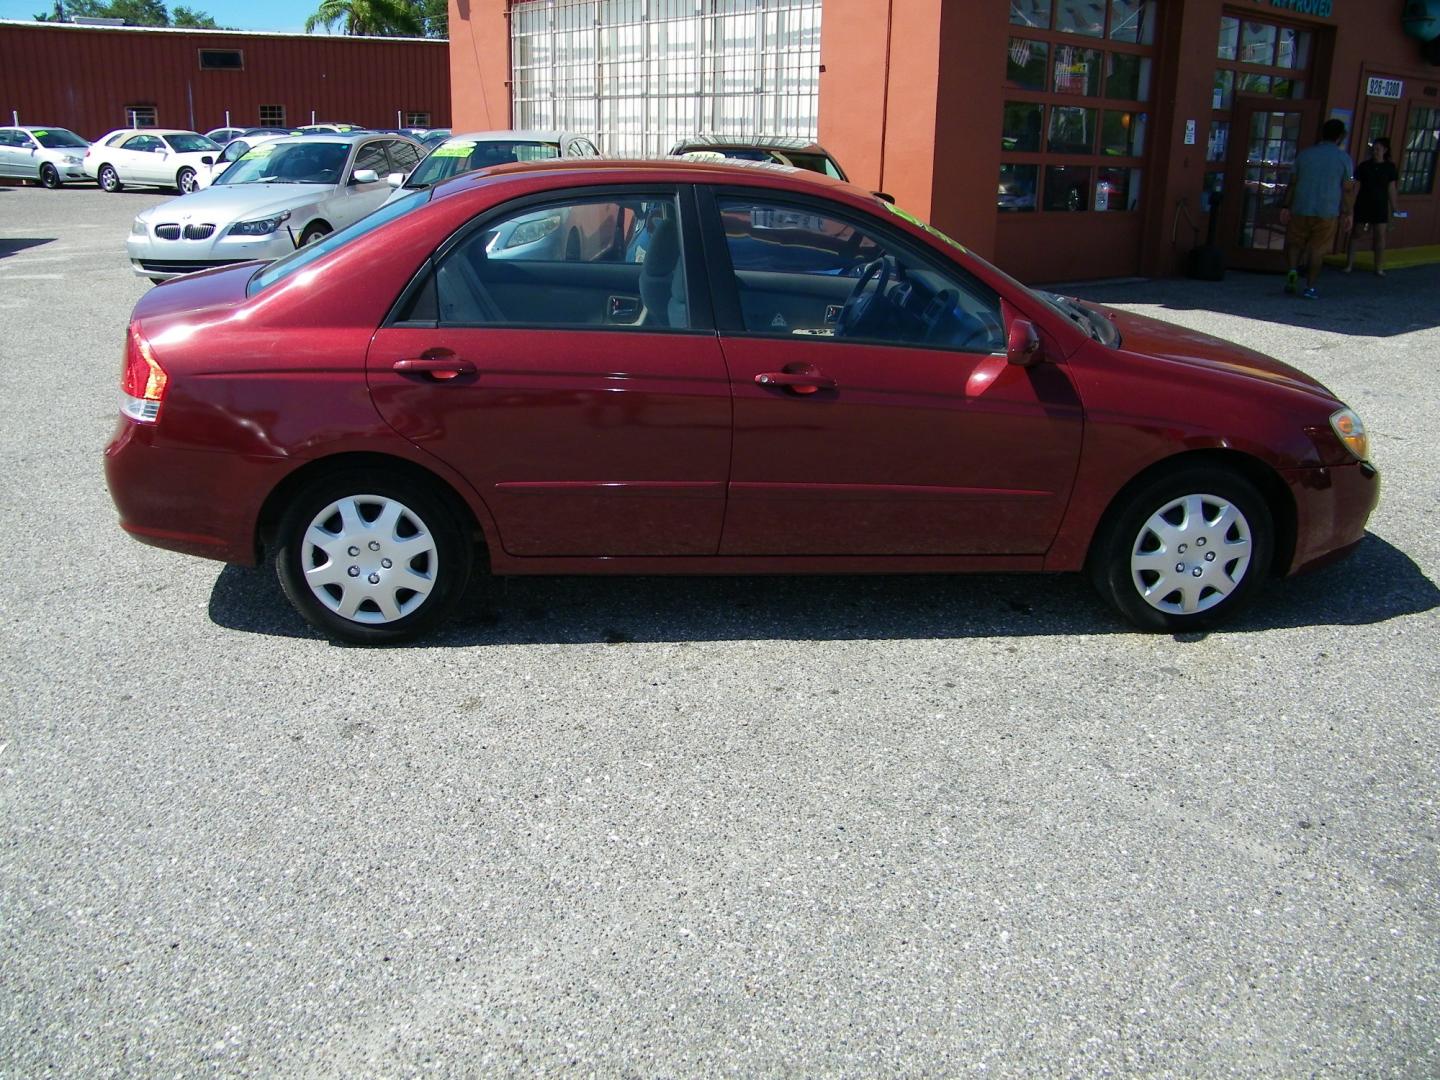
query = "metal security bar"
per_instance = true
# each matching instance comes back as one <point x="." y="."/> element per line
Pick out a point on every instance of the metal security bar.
<point x="638" y="75"/>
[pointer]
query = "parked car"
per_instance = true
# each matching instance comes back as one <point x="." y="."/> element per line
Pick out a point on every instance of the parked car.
<point x="482" y="149"/>
<point x="149" y="157"/>
<point x="234" y="150"/>
<point x="48" y="155"/>
<point x="434" y="138"/>
<point x="250" y="133"/>
<point x="328" y="129"/>
<point x="278" y="196"/>
<point x="222" y="136"/>
<point x="389" y="409"/>
<point x="777" y="150"/>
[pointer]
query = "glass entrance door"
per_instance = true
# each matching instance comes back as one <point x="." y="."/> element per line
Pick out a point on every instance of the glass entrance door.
<point x="1267" y="134"/>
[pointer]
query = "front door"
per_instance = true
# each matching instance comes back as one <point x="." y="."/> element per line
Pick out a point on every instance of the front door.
<point x="875" y="412"/>
<point x="1266" y="136"/>
<point x="582" y="397"/>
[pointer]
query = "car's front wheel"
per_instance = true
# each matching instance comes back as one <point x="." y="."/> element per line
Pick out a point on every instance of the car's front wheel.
<point x="372" y="558"/>
<point x="109" y="179"/>
<point x="313" y="233"/>
<point x="49" y="176"/>
<point x="185" y="181"/>
<point x="1186" y="550"/>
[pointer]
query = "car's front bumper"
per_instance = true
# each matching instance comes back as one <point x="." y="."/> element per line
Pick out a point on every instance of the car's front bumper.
<point x="1332" y="506"/>
<point x="153" y="257"/>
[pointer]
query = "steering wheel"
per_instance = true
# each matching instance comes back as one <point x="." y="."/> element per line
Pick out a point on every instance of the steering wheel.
<point x="858" y="305"/>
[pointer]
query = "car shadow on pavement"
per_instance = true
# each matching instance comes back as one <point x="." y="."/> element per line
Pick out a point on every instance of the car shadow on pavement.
<point x="1358" y="304"/>
<point x="1378" y="582"/>
<point x="12" y="245"/>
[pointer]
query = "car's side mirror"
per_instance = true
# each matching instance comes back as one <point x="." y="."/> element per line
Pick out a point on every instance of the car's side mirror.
<point x="365" y="176"/>
<point x="395" y="179"/>
<point x="885" y="196"/>
<point x="1022" y="345"/>
<point x="208" y="159"/>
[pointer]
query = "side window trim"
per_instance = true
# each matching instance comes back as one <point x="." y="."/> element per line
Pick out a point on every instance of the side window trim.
<point x="697" y="279"/>
<point x="730" y="321"/>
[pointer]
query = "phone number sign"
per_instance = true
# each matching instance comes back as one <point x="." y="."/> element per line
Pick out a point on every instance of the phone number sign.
<point x="1385" y="88"/>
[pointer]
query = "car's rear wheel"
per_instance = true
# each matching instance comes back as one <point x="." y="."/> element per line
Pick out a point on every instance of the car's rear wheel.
<point x="109" y="179"/>
<point x="1185" y="551"/>
<point x="185" y="180"/>
<point x="313" y="233"/>
<point x="372" y="558"/>
<point x="49" y="176"/>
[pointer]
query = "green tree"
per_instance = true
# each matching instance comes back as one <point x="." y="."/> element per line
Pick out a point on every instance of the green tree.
<point x="384" y="18"/>
<point x="56" y="14"/>
<point x="434" y="17"/>
<point x="195" y="20"/>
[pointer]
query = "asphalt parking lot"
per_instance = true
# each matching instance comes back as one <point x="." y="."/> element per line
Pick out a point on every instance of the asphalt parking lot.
<point x="828" y="826"/>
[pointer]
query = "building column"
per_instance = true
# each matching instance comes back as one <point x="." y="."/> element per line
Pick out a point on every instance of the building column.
<point x="479" y="65"/>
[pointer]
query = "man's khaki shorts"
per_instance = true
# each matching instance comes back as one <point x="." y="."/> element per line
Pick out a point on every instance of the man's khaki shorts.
<point x="1310" y="234"/>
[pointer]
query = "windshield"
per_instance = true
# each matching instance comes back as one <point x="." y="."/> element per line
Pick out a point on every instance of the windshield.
<point x="59" y="139"/>
<point x="310" y="162"/>
<point x="190" y="144"/>
<point x="466" y="155"/>
<point x="280" y="269"/>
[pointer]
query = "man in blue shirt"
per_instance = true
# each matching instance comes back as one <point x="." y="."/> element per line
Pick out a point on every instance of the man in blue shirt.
<point x="1321" y="190"/>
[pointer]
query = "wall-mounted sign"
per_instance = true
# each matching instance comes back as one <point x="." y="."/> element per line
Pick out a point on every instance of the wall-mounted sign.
<point x="1322" y="8"/>
<point x="1381" y="87"/>
<point x="1189" y="132"/>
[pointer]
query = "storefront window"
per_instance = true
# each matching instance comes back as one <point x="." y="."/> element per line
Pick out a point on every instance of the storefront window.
<point x="1229" y="39"/>
<point x="1077" y="71"/>
<point x="1133" y="21"/>
<point x="1294" y="49"/>
<point x="1067" y="187"/>
<point x="1022" y="127"/>
<point x="1026" y="64"/>
<point x="1422" y="143"/>
<point x="1077" y="98"/>
<point x="1219" y="140"/>
<point x="1128" y="77"/>
<point x="1257" y="43"/>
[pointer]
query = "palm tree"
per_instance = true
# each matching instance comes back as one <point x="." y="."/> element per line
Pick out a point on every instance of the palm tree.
<point x="385" y="18"/>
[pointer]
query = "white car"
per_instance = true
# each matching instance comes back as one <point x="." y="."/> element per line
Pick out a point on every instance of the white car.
<point x="51" y="156"/>
<point x="224" y="136"/>
<point x="278" y="196"/>
<point x="151" y="157"/>
<point x="234" y="150"/>
<point x="480" y="149"/>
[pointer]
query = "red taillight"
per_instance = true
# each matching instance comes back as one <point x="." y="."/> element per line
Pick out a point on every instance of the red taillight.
<point x="142" y="380"/>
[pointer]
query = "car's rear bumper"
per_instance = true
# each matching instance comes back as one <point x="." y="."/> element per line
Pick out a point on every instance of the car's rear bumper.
<point x="197" y="502"/>
<point x="1332" y="506"/>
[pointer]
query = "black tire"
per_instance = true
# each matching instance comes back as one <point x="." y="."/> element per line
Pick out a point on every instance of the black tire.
<point x="313" y="233"/>
<point x="185" y="181"/>
<point x="572" y="246"/>
<point x="109" y="179"/>
<point x="377" y="577"/>
<point x="49" y="176"/>
<point x="1214" y="574"/>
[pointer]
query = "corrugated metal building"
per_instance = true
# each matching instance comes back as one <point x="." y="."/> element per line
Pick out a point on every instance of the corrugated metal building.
<point x="91" y="79"/>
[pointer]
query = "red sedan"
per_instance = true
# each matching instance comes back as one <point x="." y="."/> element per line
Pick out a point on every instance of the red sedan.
<point x="739" y="370"/>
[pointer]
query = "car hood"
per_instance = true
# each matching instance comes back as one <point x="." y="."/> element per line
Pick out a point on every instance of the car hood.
<point x="222" y="203"/>
<point x="1166" y="341"/>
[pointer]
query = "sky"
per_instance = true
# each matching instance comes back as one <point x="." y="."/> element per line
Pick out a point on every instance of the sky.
<point x="288" y="15"/>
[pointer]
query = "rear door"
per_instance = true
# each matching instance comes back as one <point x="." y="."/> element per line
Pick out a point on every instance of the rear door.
<point x="585" y="398"/>
<point x="875" y="412"/>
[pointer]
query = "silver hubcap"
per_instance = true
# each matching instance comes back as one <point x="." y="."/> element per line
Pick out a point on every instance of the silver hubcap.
<point x="187" y="182"/>
<point x="1191" y="554"/>
<point x="369" y="559"/>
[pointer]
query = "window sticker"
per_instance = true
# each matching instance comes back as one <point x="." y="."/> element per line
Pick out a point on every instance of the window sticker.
<point x="459" y="149"/>
<point x="263" y="150"/>
<point x="905" y="215"/>
<point x="37" y="133"/>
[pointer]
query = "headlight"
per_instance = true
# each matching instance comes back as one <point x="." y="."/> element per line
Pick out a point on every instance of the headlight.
<point x="139" y="228"/>
<point x="1351" y="432"/>
<point x="259" y="227"/>
<point x="529" y="231"/>
<point x="71" y="159"/>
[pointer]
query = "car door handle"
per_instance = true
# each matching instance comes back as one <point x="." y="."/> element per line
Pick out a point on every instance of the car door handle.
<point x="799" y="381"/>
<point x="437" y="364"/>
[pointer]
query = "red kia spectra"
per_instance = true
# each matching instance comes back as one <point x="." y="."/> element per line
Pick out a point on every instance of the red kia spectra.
<point x="683" y="368"/>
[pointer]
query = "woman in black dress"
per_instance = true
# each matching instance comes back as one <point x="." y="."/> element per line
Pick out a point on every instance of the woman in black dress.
<point x="1374" y="203"/>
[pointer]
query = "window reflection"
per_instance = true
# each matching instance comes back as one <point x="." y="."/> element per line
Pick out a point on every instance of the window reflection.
<point x="1067" y="187"/>
<point x="1081" y="17"/>
<point x="1025" y="63"/>
<point x="1035" y="13"/>
<point x="1133" y="20"/>
<point x="1077" y="71"/>
<point x="1072" y="130"/>
<point x="1016" y="192"/>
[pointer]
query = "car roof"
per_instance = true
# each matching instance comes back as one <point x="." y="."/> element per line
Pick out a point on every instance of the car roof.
<point x="35" y="127"/>
<point x="534" y="135"/>
<point x="748" y="142"/>
<point x="657" y="170"/>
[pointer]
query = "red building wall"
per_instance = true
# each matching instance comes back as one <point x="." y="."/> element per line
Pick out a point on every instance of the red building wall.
<point x="83" y="77"/>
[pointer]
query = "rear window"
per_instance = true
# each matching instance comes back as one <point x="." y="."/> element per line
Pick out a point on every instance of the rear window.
<point x="466" y="155"/>
<point x="280" y="269"/>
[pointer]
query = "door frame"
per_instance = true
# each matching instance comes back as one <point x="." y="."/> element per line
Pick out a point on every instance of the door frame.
<point x="1233" y="206"/>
